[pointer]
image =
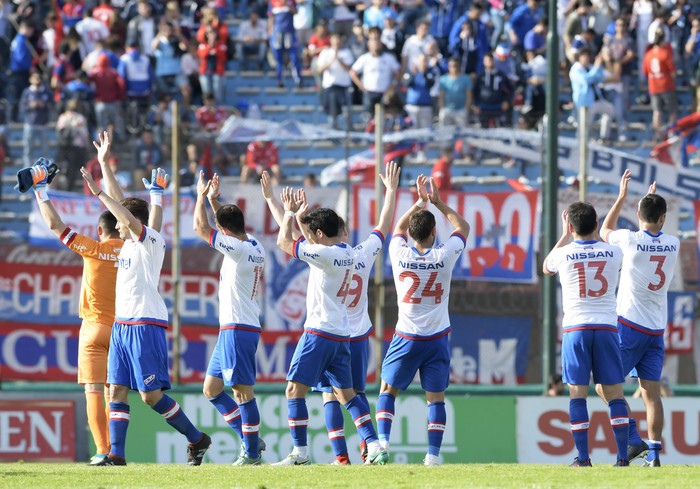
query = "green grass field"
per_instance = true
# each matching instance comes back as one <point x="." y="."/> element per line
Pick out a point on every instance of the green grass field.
<point x="25" y="475"/>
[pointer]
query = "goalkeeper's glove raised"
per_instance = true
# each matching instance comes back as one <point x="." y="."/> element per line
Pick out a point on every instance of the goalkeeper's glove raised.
<point x="157" y="185"/>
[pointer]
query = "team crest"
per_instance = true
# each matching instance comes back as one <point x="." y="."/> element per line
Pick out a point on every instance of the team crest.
<point x="149" y="379"/>
<point x="228" y="374"/>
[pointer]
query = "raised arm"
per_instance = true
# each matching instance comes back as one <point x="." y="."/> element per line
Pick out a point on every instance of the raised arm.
<point x="285" y="241"/>
<point x="156" y="187"/>
<point x="122" y="215"/>
<point x="610" y="222"/>
<point x="48" y="212"/>
<point x="458" y="222"/>
<point x="275" y="207"/>
<point x="391" y="183"/>
<point x="200" y="221"/>
<point x="301" y="229"/>
<point x="563" y="241"/>
<point x="214" y="193"/>
<point x="402" y="224"/>
<point x="111" y="184"/>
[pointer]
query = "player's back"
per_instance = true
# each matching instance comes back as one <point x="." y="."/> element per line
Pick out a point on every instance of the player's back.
<point x="140" y="261"/>
<point x="647" y="270"/>
<point x="423" y="285"/>
<point x="329" y="283"/>
<point x="241" y="273"/>
<point x="365" y="256"/>
<point x="589" y="272"/>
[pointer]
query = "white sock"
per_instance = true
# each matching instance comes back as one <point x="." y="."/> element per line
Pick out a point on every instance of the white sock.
<point x="374" y="446"/>
<point x="301" y="451"/>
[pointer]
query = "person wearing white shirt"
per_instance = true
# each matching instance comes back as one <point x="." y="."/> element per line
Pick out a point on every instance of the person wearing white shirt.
<point x="334" y="63"/>
<point x="415" y="45"/>
<point x="252" y="39"/>
<point x="91" y="30"/>
<point x="378" y="70"/>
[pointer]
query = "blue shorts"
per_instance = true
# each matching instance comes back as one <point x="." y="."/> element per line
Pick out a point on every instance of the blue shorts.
<point x="430" y="357"/>
<point x="138" y="357"/>
<point x="284" y="40"/>
<point x="233" y="359"/>
<point x="642" y="354"/>
<point x="591" y="350"/>
<point x="317" y="357"/>
<point x="359" y="358"/>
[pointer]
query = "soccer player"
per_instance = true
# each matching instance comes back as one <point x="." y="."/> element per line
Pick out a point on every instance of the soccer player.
<point x="96" y="306"/>
<point x="358" y="316"/>
<point x="649" y="259"/>
<point x="422" y="275"/>
<point x="138" y="354"/>
<point x="233" y="361"/>
<point x="323" y="349"/>
<point x="589" y="271"/>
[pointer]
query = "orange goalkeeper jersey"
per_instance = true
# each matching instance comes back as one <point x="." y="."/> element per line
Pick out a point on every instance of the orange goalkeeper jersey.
<point x="100" y="265"/>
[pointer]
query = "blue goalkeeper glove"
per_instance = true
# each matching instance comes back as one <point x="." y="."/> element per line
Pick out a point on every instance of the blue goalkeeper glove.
<point x="157" y="185"/>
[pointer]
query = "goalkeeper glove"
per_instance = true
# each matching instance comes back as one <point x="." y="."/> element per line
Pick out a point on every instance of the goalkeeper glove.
<point x="39" y="181"/>
<point x="156" y="187"/>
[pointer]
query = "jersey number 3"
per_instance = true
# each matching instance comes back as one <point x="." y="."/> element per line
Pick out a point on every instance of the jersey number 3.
<point x="659" y="259"/>
<point x="431" y="289"/>
<point x="583" y="291"/>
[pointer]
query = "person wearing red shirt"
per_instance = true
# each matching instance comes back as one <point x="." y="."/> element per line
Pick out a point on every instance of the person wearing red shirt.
<point x="72" y="11"/>
<point x="261" y="156"/>
<point x="441" y="172"/>
<point x="209" y="116"/>
<point x="210" y="20"/>
<point x="104" y="12"/>
<point x="319" y="40"/>
<point x="110" y="90"/>
<point x="660" y="71"/>
<point x="212" y="65"/>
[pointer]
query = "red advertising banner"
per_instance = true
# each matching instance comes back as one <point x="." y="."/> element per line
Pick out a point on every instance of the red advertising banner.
<point x="37" y="430"/>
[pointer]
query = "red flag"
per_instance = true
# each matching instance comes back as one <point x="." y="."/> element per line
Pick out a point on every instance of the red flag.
<point x="58" y="39"/>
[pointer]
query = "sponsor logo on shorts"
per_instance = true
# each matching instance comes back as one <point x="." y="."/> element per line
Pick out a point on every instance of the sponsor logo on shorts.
<point x="149" y="379"/>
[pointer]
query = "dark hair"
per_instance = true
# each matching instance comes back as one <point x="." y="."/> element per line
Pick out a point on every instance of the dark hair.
<point x="659" y="37"/>
<point x="421" y="225"/>
<point x="108" y="223"/>
<point x="138" y="208"/>
<point x="651" y="208"/>
<point x="341" y="225"/>
<point x="376" y="30"/>
<point x="583" y="218"/>
<point x="324" y="219"/>
<point x="230" y="217"/>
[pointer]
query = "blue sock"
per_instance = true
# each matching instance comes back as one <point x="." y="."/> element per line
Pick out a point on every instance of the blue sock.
<point x="654" y="450"/>
<point x="176" y="417"/>
<point x="578" y="414"/>
<point x="385" y="415"/>
<point x="335" y="424"/>
<point x="229" y="410"/>
<point x="635" y="439"/>
<point x="359" y="410"/>
<point x="437" y="418"/>
<point x="250" y="417"/>
<point x="619" y="419"/>
<point x="298" y="419"/>
<point x="118" y="424"/>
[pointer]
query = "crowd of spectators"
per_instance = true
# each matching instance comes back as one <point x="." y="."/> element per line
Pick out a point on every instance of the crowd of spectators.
<point x="114" y="65"/>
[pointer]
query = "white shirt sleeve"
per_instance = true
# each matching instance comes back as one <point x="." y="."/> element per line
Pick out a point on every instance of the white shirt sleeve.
<point x="152" y="241"/>
<point x="619" y="237"/>
<point x="227" y="245"/>
<point x="313" y="254"/>
<point x="553" y="260"/>
<point x="359" y="65"/>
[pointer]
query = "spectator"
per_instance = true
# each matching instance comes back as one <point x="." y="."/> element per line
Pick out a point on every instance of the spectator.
<point x="104" y="12"/>
<point x="438" y="65"/>
<point x="283" y="38"/>
<point x="160" y="120"/>
<point x="357" y="43"/>
<point x="455" y="96"/>
<point x="660" y="22"/>
<point x="93" y="167"/>
<point x="660" y="71"/>
<point x="49" y="39"/>
<point x="536" y="39"/>
<point x="91" y="30"/>
<point x="492" y="93"/>
<point x="304" y="21"/>
<point x="252" y="40"/>
<point x="310" y="181"/>
<point x="499" y="12"/>
<point x="101" y="47"/>
<point x="419" y="104"/>
<point x="374" y="15"/>
<point x="612" y="88"/>
<point x="692" y="49"/>
<point x="319" y="41"/>
<point x="478" y="31"/>
<point x="680" y="22"/>
<point x="524" y="19"/>
<point x="80" y="89"/>
<point x="21" y="62"/>
<point x="209" y="116"/>
<point x="467" y="50"/>
<point x="210" y="20"/>
<point x="212" y="65"/>
<point x="441" y="173"/>
<point x="642" y="17"/>
<point x="535" y="78"/>
<point x="142" y="28"/>
<point x="188" y="175"/>
<point x="578" y="21"/>
<point x="72" y="141"/>
<point x="6" y="12"/>
<point x="63" y="72"/>
<point x="620" y="50"/>
<point x="442" y="18"/>
<point x="4" y="156"/>
<point x="334" y="63"/>
<point x="411" y="11"/>
<point x="585" y="77"/>
<point x="261" y="156"/>
<point x="35" y="106"/>
<point x="504" y="62"/>
<point x="109" y="93"/>
<point x="72" y="12"/>
<point x="604" y="12"/>
<point x="392" y="37"/>
<point x="135" y="69"/>
<point x="168" y="47"/>
<point x="415" y="46"/>
<point x="189" y="68"/>
<point x="147" y="156"/>
<point x="556" y="386"/>
<point x="378" y="71"/>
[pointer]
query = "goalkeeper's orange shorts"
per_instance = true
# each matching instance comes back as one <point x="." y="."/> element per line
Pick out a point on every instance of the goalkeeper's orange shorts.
<point x="93" y="347"/>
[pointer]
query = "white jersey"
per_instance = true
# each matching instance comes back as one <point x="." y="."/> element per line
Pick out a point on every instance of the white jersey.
<point x="588" y="272"/>
<point x="365" y="255"/>
<point x="329" y="283"/>
<point x="137" y="297"/>
<point x="647" y="271"/>
<point x="241" y="273"/>
<point x="423" y="285"/>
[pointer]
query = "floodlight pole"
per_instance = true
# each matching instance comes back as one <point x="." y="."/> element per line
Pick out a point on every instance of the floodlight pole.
<point x="379" y="266"/>
<point x="550" y="185"/>
<point x="583" y="153"/>
<point x="175" y="255"/>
